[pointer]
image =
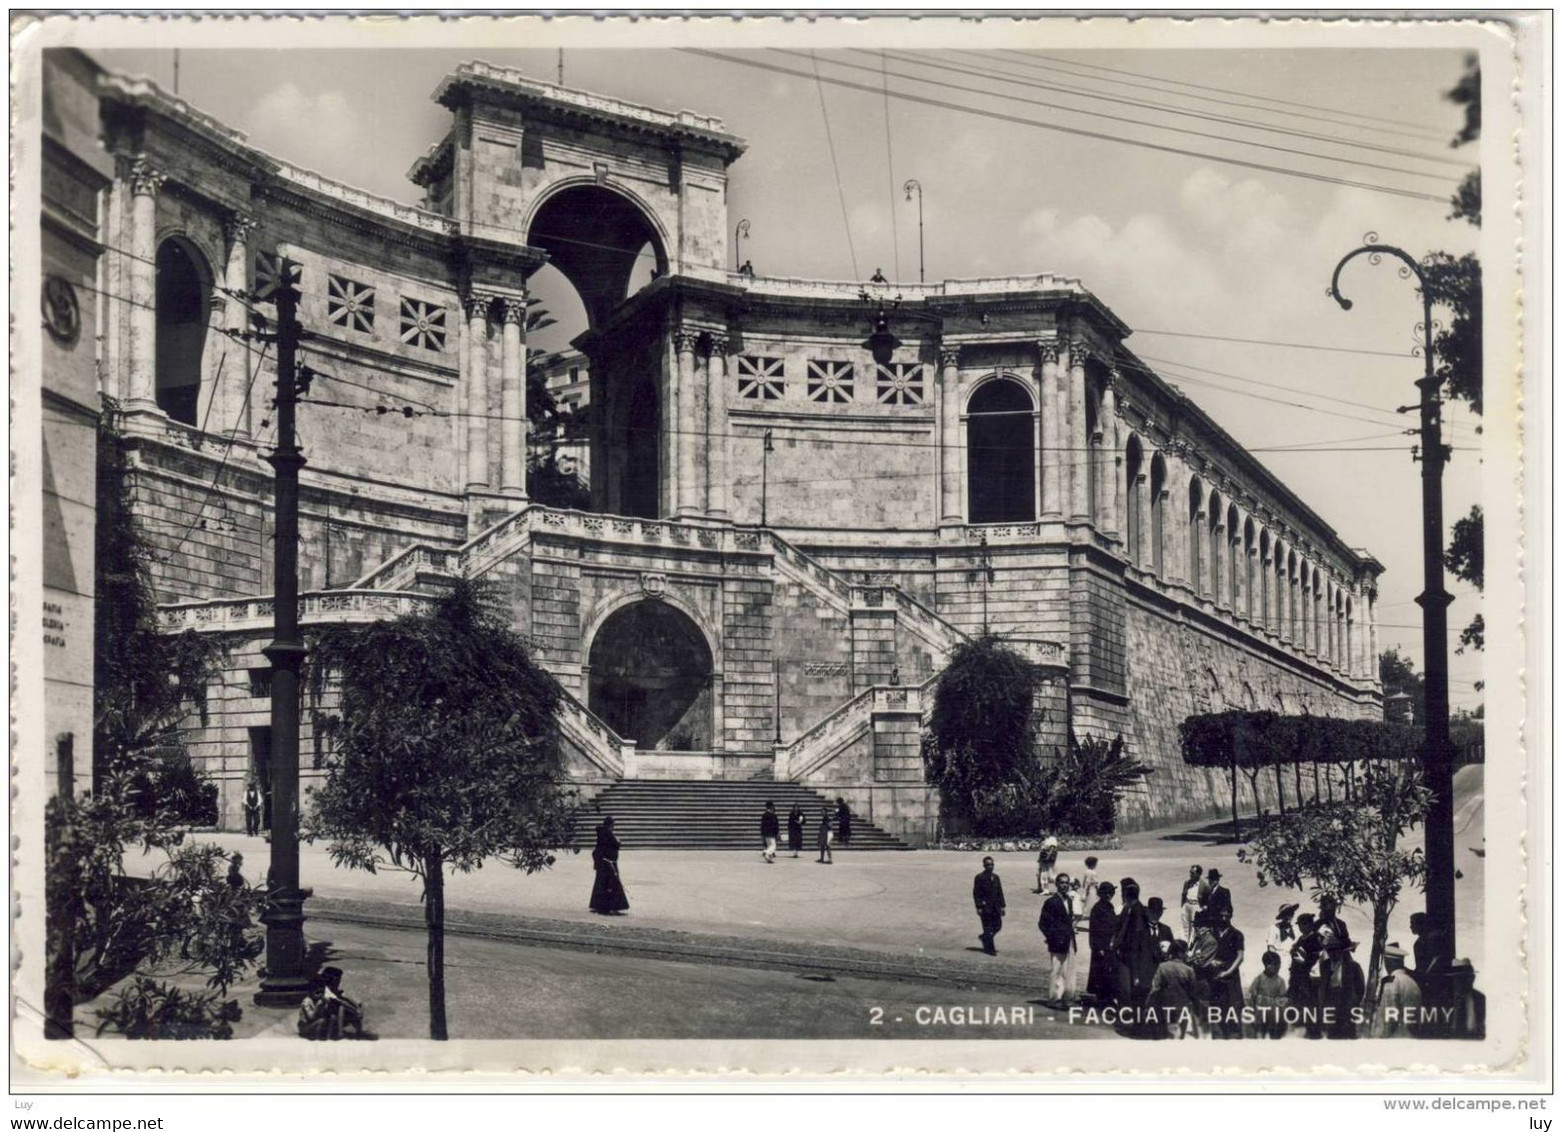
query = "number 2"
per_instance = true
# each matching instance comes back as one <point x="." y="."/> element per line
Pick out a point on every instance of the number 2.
<point x="875" y="1016"/>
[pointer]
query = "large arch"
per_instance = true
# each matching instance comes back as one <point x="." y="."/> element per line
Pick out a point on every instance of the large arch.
<point x="651" y="677"/>
<point x="184" y="286"/>
<point x="1001" y="453"/>
<point x="601" y="240"/>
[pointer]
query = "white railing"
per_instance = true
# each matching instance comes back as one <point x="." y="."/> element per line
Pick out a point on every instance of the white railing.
<point x="846" y="289"/>
<point x="603" y="746"/>
<point x="244" y="614"/>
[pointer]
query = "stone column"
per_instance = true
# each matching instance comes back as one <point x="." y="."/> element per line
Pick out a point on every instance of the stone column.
<point x="950" y="454"/>
<point x="696" y="453"/>
<point x="683" y="423"/>
<point x="1145" y="559"/>
<point x="1078" y="443"/>
<point x="1372" y="635"/>
<point x="236" y="386"/>
<point x="1219" y="562"/>
<point x="1054" y="412"/>
<point x="717" y="428"/>
<point x="145" y="183"/>
<point x="512" y="396"/>
<point x="477" y="305"/>
<point x="1111" y="461"/>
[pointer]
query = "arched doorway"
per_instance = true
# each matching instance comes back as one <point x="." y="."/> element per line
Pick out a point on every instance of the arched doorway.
<point x="1001" y="453"/>
<point x="651" y="676"/>
<point x="183" y="306"/>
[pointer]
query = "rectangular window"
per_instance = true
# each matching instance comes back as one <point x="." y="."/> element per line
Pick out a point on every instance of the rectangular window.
<point x="270" y="267"/>
<point x="350" y="304"/>
<point x="900" y="383"/>
<point x="260" y="683"/>
<point x="422" y="324"/>
<point x="760" y="379"/>
<point x="830" y="381"/>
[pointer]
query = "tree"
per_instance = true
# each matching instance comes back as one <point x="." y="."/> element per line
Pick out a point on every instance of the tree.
<point x="546" y="482"/>
<point x="1351" y="850"/>
<point x="1398" y="675"/>
<point x="447" y="753"/>
<point x="1456" y="286"/>
<point x="981" y="746"/>
<point x="1083" y="785"/>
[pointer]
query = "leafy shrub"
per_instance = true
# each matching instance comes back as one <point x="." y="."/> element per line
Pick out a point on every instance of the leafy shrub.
<point x="148" y="1009"/>
<point x="1083" y="785"/>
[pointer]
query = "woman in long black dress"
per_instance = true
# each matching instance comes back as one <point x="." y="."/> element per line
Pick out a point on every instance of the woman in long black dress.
<point x="607" y="894"/>
<point x="794" y="829"/>
<point x="1101" y="985"/>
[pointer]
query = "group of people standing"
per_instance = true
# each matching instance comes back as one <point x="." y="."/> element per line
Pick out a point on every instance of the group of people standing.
<point x="1154" y="984"/>
<point x="831" y="827"/>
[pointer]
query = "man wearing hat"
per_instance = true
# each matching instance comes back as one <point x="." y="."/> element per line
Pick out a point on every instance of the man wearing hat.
<point x="1134" y="946"/>
<point x="1399" y="998"/>
<point x="1342" y="986"/>
<point x="1216" y="900"/>
<point x="1469" y="1005"/>
<point x="1160" y="934"/>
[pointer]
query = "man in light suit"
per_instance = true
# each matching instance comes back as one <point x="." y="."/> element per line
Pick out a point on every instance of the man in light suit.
<point x="1057" y="927"/>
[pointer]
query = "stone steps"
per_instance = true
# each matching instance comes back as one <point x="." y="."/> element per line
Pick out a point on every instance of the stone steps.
<point x="670" y="814"/>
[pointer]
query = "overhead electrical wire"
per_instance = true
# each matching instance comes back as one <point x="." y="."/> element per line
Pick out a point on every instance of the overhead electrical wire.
<point x="889" y="162"/>
<point x="1440" y="199"/>
<point x="1223" y="119"/>
<point x="1118" y="118"/>
<point x="1332" y="110"/>
<point x="1268" y="342"/>
<point x="840" y="187"/>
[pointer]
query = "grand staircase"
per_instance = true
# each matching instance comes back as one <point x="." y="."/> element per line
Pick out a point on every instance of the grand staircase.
<point x="666" y="814"/>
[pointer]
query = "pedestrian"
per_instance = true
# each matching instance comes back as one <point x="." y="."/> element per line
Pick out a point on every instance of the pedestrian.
<point x="251" y="808"/>
<point x="236" y="871"/>
<point x="1194" y="890"/>
<point x="1217" y="899"/>
<point x="608" y="897"/>
<point x="825" y="856"/>
<point x="1341" y="987"/>
<point x="1057" y="928"/>
<point x="1397" y="1014"/>
<point x="1468" y="1020"/>
<point x="1282" y="933"/>
<point x="1160" y="933"/>
<point x="1087" y="887"/>
<point x="1136" y="953"/>
<point x="1329" y="922"/>
<point x="769" y="832"/>
<point x="794" y="830"/>
<point x="1046" y="864"/>
<point x="1175" y="996"/>
<point x="326" y="1014"/>
<point x="1223" y="973"/>
<point x="843" y="823"/>
<point x="988" y="894"/>
<point x="1302" y="983"/>
<point x="1268" y="998"/>
<point x="1101" y="983"/>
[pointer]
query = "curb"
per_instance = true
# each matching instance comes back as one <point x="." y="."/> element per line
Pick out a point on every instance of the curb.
<point x="685" y="947"/>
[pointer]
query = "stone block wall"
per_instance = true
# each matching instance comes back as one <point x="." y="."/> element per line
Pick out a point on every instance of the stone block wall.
<point x="748" y="664"/>
<point x="813" y="657"/>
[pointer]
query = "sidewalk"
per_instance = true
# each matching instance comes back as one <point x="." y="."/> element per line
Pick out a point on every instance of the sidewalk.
<point x="910" y="914"/>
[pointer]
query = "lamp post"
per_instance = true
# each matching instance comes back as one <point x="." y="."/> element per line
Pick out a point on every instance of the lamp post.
<point x="764" y="479"/>
<point x="738" y="233"/>
<point x="1436" y="751"/>
<point x="913" y="183"/>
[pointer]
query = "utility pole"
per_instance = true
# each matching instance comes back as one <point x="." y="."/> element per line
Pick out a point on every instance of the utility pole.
<point x="285" y="982"/>
<point x="1437" y="749"/>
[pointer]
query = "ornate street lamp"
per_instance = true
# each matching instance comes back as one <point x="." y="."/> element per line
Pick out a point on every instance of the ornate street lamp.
<point x="913" y="183"/>
<point x="738" y="233"/>
<point x="1437" y="750"/>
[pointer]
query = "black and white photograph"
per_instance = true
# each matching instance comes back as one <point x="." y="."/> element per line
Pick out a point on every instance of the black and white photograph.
<point x="780" y="546"/>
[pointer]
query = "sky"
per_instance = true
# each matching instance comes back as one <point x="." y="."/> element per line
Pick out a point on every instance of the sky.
<point x="1188" y="248"/>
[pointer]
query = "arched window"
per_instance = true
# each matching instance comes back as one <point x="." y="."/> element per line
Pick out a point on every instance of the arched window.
<point x="1096" y="481"/>
<point x="183" y="306"/>
<point x="1001" y="453"/>
<point x="1350" y="636"/>
<point x="1265" y="581"/>
<point x="1195" y="534"/>
<point x="1216" y="515"/>
<point x="1133" y="519"/>
<point x="1249" y="545"/>
<point x="1293" y="594"/>
<point x="1158" y="515"/>
<point x="1234" y="559"/>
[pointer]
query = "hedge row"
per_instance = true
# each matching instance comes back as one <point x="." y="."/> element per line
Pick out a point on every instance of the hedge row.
<point x="1251" y="739"/>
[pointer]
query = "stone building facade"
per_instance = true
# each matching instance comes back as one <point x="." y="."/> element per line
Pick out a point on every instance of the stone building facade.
<point x="805" y="493"/>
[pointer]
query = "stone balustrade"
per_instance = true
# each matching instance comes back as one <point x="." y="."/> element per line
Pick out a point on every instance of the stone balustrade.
<point x="250" y="614"/>
<point x="784" y="286"/>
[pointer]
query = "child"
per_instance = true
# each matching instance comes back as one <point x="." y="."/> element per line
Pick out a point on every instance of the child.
<point x="1087" y="887"/>
<point x="1268" y="995"/>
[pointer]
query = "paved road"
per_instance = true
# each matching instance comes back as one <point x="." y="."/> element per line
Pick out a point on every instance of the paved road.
<point x="916" y="904"/>
<point x="504" y="990"/>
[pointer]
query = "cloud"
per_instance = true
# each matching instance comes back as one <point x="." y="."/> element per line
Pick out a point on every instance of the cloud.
<point x="322" y="131"/>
